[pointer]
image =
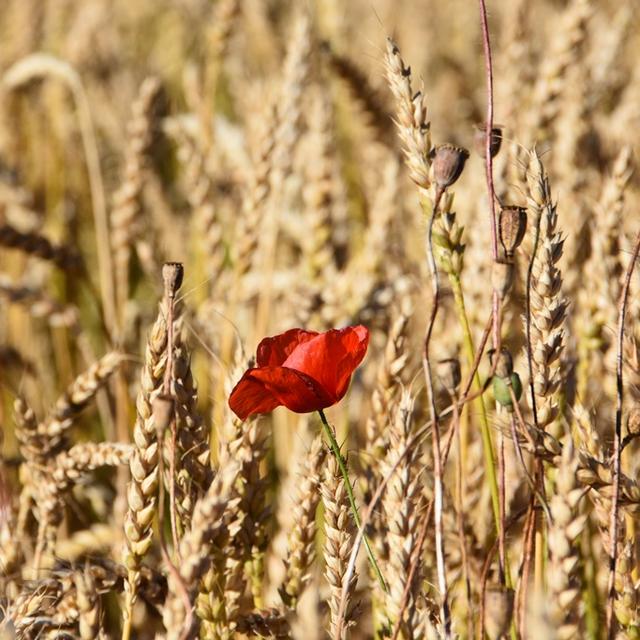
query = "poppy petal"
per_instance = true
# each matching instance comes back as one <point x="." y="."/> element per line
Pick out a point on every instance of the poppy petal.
<point x="275" y="350"/>
<point x="295" y="390"/>
<point x="330" y="358"/>
<point x="263" y="389"/>
<point x="251" y="396"/>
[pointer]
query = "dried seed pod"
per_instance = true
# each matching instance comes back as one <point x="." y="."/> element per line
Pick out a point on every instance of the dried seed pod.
<point x="498" y="607"/>
<point x="449" y="374"/>
<point x="504" y="365"/>
<point x="502" y="277"/>
<point x="172" y="274"/>
<point x="448" y="163"/>
<point x="512" y="224"/>
<point x="480" y="138"/>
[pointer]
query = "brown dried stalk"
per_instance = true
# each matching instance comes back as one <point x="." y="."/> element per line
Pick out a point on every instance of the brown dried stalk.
<point x="413" y="129"/>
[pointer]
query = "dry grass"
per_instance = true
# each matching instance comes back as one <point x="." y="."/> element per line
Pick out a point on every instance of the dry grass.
<point x="301" y="165"/>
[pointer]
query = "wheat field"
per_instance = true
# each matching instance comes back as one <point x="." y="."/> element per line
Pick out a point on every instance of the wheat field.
<point x="180" y="179"/>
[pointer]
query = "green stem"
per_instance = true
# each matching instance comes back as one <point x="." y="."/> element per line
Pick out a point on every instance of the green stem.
<point x="487" y="444"/>
<point x="335" y="447"/>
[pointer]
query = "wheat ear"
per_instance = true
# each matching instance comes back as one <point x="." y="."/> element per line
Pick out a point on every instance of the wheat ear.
<point x="338" y="528"/>
<point x="127" y="200"/>
<point x="143" y="487"/>
<point x="212" y="526"/>
<point x="301" y="553"/>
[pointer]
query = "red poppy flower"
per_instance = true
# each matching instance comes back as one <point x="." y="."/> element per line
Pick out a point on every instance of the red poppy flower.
<point x="302" y="370"/>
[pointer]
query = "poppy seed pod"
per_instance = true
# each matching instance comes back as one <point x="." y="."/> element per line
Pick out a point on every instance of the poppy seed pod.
<point x="480" y="139"/>
<point x="448" y="163"/>
<point x="512" y="225"/>
<point x="502" y="390"/>
<point x="449" y="374"/>
<point x="172" y="274"/>
<point x="504" y="364"/>
<point x="498" y="603"/>
<point x="502" y="277"/>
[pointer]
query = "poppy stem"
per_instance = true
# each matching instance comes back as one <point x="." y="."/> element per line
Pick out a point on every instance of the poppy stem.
<point x="342" y="463"/>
